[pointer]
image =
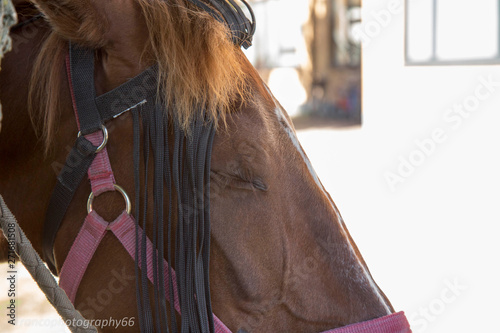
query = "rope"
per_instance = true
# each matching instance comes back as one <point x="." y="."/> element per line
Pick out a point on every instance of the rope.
<point x="42" y="276"/>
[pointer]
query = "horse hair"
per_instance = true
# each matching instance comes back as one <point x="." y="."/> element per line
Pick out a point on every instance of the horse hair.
<point x="198" y="63"/>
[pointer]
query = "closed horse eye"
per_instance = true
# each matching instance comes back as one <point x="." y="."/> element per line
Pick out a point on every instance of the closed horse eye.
<point x="238" y="182"/>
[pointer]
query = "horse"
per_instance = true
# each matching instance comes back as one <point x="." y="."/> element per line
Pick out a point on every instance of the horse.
<point x="281" y="257"/>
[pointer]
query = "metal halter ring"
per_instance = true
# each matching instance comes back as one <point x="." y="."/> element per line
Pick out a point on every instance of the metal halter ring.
<point x="104" y="141"/>
<point x="128" y="204"/>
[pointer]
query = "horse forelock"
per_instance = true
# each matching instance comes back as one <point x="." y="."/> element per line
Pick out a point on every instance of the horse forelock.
<point x="199" y="66"/>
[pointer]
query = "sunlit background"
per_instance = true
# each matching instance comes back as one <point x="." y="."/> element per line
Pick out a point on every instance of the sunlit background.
<point x="396" y="104"/>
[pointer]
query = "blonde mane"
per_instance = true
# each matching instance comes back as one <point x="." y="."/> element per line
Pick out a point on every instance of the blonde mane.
<point x="198" y="63"/>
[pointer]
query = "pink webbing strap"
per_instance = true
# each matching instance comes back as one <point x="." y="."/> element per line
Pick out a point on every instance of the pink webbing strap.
<point x="86" y="243"/>
<point x="124" y="230"/>
<point x="81" y="253"/>
<point x="94" y="227"/>
<point x="100" y="173"/>
<point x="393" y="323"/>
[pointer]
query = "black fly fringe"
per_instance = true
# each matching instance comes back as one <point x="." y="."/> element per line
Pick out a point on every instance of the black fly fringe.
<point x="181" y="171"/>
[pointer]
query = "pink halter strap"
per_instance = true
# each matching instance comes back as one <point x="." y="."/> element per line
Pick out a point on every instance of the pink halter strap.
<point x="93" y="230"/>
<point x="95" y="227"/>
<point x="393" y="323"/>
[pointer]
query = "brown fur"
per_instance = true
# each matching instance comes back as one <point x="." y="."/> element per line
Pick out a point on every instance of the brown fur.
<point x="199" y="65"/>
<point x="45" y="87"/>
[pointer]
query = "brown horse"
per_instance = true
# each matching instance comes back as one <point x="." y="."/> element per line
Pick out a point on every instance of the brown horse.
<point x="282" y="259"/>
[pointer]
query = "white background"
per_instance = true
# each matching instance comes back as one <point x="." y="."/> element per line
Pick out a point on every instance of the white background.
<point x="442" y="223"/>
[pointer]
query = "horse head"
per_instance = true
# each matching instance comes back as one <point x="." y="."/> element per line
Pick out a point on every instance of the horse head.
<point x="281" y="257"/>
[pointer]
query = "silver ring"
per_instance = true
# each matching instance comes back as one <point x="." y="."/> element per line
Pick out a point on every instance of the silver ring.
<point x="128" y="204"/>
<point x="104" y="141"/>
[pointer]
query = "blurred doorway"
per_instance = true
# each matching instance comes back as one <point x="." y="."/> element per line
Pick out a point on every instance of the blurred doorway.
<point x="308" y="53"/>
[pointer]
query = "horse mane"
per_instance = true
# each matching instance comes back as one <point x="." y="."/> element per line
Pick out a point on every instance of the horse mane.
<point x="200" y="69"/>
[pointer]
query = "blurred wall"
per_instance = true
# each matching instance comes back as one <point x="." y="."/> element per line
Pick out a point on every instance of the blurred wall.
<point x="334" y="55"/>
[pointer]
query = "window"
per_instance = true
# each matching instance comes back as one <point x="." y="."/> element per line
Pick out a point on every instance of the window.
<point x="448" y="32"/>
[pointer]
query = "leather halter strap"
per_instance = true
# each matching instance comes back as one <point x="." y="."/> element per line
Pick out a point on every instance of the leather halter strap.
<point x="95" y="227"/>
<point x="80" y="65"/>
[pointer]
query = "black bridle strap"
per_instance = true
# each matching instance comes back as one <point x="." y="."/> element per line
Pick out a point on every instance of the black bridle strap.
<point x="22" y="24"/>
<point x="129" y="95"/>
<point x="230" y="13"/>
<point x="224" y="11"/>
<point x="81" y="155"/>
<point x="82" y="78"/>
<point x="77" y="163"/>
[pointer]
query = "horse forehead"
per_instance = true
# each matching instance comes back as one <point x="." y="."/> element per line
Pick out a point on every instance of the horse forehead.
<point x="117" y="9"/>
<point x="249" y="137"/>
<point x="239" y="152"/>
